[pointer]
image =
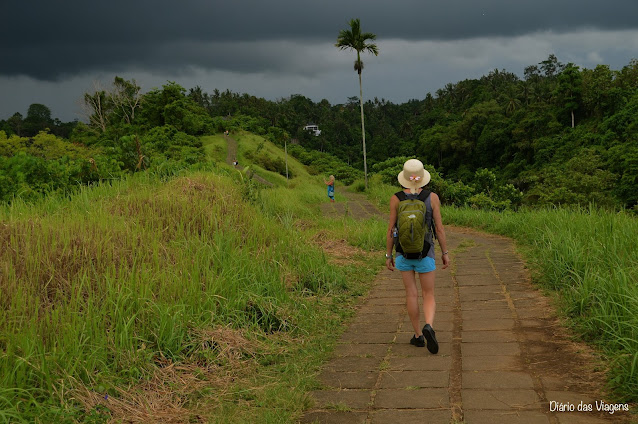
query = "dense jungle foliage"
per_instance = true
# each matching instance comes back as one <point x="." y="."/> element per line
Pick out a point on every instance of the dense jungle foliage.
<point x="560" y="135"/>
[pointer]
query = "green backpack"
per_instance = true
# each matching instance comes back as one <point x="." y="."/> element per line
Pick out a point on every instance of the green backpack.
<point x="412" y="224"/>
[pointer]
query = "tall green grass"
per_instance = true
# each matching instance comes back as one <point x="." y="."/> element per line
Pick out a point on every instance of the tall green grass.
<point x="590" y="258"/>
<point x="99" y="290"/>
<point x="215" y="147"/>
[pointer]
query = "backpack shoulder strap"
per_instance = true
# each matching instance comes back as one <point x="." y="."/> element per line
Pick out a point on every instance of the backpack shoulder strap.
<point x="425" y="194"/>
<point x="401" y="195"/>
<point x="422" y="196"/>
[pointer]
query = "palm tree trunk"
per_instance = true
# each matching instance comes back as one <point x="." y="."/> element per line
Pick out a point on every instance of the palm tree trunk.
<point x="363" y="133"/>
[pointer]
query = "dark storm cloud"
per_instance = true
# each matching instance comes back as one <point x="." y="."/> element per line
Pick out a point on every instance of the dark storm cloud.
<point x="53" y="40"/>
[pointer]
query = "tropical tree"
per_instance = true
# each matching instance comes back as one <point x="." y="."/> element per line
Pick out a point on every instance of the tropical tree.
<point x="354" y="39"/>
<point x="569" y="89"/>
<point x="38" y="119"/>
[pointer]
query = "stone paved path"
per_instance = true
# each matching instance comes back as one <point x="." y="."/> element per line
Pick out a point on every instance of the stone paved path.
<point x="350" y="204"/>
<point x="503" y="354"/>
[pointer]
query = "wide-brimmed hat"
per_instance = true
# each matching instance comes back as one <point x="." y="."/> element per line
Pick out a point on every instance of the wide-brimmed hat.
<point x="413" y="175"/>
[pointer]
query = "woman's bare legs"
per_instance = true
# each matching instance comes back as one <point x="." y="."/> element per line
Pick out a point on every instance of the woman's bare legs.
<point x="411" y="300"/>
<point x="427" y="291"/>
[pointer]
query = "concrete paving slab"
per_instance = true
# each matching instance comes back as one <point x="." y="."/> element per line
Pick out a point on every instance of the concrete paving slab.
<point x="484" y="305"/>
<point x="511" y="399"/>
<point x="559" y="383"/>
<point x="489" y="324"/>
<point x="375" y="318"/>
<point x="583" y="418"/>
<point x="492" y="363"/>
<point x="366" y="338"/>
<point x="431" y="398"/>
<point x="350" y="363"/>
<point x="481" y="315"/>
<point x="476" y="280"/>
<point x="491" y="336"/>
<point x="497" y="380"/>
<point x="473" y="297"/>
<point x="419" y="363"/>
<point x="388" y="310"/>
<point x="490" y="349"/>
<point x="341" y="399"/>
<point x="413" y="379"/>
<point x="361" y="350"/>
<point x="492" y="288"/>
<point x="371" y="320"/>
<point x="509" y="417"/>
<point x="393" y="416"/>
<point x="348" y="380"/>
<point x="368" y="328"/>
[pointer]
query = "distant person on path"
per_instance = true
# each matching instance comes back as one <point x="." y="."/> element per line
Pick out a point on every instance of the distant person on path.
<point x="331" y="187"/>
<point x="413" y="178"/>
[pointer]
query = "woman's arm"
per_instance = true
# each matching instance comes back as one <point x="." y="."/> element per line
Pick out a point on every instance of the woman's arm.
<point x="389" y="240"/>
<point x="440" y="231"/>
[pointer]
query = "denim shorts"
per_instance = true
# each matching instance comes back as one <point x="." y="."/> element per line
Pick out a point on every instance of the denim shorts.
<point x="419" y="265"/>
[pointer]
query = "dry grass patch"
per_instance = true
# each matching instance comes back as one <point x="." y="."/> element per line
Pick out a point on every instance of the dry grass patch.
<point x="160" y="399"/>
<point x="339" y="251"/>
<point x="222" y="357"/>
<point x="46" y="258"/>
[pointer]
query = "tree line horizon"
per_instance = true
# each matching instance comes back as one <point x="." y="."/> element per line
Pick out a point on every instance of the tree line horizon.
<point x="560" y="134"/>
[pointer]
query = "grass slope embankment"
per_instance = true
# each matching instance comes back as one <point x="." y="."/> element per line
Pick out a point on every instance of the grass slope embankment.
<point x="215" y="147"/>
<point x="203" y="298"/>
<point x="587" y="258"/>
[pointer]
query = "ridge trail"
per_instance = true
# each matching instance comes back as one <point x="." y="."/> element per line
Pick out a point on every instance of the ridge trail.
<point x="231" y="155"/>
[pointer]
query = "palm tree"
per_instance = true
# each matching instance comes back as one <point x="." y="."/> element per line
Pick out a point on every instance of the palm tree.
<point x="356" y="40"/>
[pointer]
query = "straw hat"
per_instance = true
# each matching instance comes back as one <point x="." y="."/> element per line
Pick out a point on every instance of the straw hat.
<point x="413" y="175"/>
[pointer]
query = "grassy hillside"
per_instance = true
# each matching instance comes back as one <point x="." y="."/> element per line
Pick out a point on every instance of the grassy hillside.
<point x="203" y="295"/>
<point x="215" y="147"/>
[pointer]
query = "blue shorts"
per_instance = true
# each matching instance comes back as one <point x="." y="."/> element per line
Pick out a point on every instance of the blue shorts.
<point x="419" y="265"/>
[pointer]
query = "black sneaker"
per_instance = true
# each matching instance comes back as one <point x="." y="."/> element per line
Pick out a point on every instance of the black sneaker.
<point x="428" y="332"/>
<point x="418" y="342"/>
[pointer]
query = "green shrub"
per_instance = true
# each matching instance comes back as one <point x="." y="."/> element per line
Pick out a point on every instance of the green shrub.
<point x="267" y="162"/>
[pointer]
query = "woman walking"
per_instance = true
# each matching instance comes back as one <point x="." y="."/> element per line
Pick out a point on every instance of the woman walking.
<point x="413" y="178"/>
<point x="331" y="187"/>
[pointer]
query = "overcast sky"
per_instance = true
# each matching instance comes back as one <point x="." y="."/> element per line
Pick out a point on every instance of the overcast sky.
<point x="53" y="52"/>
